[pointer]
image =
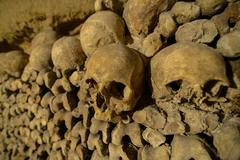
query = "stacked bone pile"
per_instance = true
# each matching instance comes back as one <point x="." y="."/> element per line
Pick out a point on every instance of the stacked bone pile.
<point x="150" y="80"/>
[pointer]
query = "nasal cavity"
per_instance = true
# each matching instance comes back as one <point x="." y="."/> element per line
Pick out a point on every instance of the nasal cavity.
<point x="101" y="102"/>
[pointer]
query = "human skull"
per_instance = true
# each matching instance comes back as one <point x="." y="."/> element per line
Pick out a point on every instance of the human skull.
<point x="101" y="28"/>
<point x="39" y="60"/>
<point x="187" y="71"/>
<point x="13" y="62"/>
<point x="47" y="36"/>
<point x="113" y="80"/>
<point x="67" y="54"/>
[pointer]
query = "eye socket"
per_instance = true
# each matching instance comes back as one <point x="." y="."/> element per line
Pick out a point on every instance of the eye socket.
<point x="208" y="86"/>
<point x="116" y="89"/>
<point x="174" y="86"/>
<point x="91" y="82"/>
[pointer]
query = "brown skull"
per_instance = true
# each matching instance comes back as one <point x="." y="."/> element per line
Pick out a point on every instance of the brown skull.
<point x="113" y="80"/>
<point x="184" y="71"/>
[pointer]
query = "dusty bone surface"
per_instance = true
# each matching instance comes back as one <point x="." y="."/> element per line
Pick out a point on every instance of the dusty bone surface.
<point x="120" y="79"/>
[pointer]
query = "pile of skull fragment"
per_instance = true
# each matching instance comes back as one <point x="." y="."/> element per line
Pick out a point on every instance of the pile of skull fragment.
<point x="81" y="98"/>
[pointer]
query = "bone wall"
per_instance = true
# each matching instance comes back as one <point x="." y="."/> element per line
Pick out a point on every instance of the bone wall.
<point x="131" y="80"/>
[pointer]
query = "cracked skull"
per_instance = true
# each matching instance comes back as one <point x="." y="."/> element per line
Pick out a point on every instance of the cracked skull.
<point x="186" y="72"/>
<point x="113" y="81"/>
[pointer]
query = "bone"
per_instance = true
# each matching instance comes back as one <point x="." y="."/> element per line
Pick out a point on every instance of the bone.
<point x="154" y="137"/>
<point x="35" y="89"/>
<point x="65" y="100"/>
<point x="174" y="123"/>
<point x="37" y="123"/>
<point x="49" y="79"/>
<point x="154" y="153"/>
<point x="55" y="155"/>
<point x="235" y="64"/>
<point x="40" y="78"/>
<point x="150" y="117"/>
<point x="132" y="130"/>
<point x="210" y="7"/>
<point x="188" y="87"/>
<point x="47" y="99"/>
<point x="55" y="103"/>
<point x="79" y="130"/>
<point x="34" y="99"/>
<point x="60" y="145"/>
<point x="100" y="29"/>
<point x="166" y="25"/>
<point x="76" y="78"/>
<point x="46" y="137"/>
<point x="227" y="17"/>
<point x="53" y="132"/>
<point x="62" y="115"/>
<point x="185" y="11"/>
<point x="151" y="44"/>
<point x="72" y="155"/>
<point x="124" y="152"/>
<point x="61" y="86"/>
<point x="14" y="84"/>
<point x="94" y="142"/>
<point x="103" y="127"/>
<point x="113" y="93"/>
<point x="201" y="31"/>
<point x="96" y="156"/>
<point x="47" y="36"/>
<point x="82" y="152"/>
<point x="69" y="101"/>
<point x="21" y="98"/>
<point x="40" y="59"/>
<point x="36" y="136"/>
<point x="226" y="139"/>
<point x="228" y="44"/>
<point x="140" y="15"/>
<point x="50" y="102"/>
<point x="13" y="62"/>
<point x="85" y="112"/>
<point x="187" y="147"/>
<point x="71" y="49"/>
<point x="200" y="121"/>
<point x="113" y="5"/>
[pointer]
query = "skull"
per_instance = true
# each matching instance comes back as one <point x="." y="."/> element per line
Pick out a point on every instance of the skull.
<point x="47" y="36"/>
<point x="113" y="81"/>
<point x="101" y="28"/>
<point x="187" y="71"/>
<point x="39" y="60"/>
<point x="67" y="54"/>
<point x="13" y="62"/>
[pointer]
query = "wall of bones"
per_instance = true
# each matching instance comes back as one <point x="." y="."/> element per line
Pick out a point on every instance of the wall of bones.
<point x="120" y="80"/>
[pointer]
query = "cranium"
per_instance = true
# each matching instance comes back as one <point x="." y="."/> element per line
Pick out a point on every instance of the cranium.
<point x="101" y="28"/>
<point x="113" y="79"/>
<point x="187" y="71"/>
<point x="47" y="36"/>
<point x="39" y="60"/>
<point x="13" y="62"/>
<point x="67" y="54"/>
